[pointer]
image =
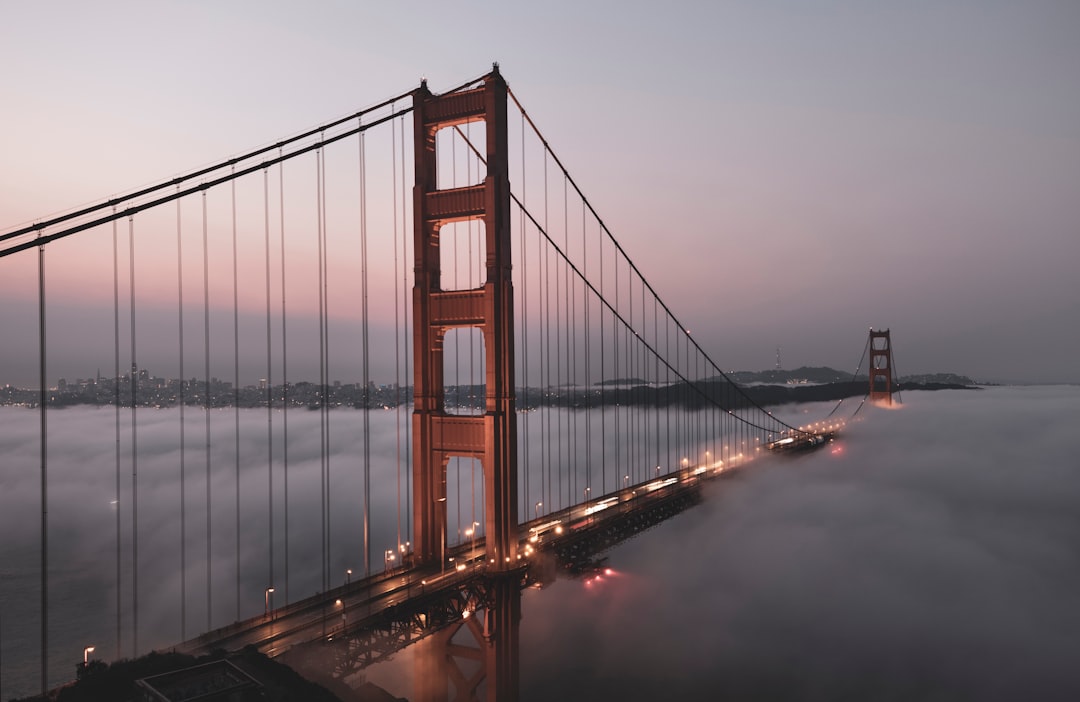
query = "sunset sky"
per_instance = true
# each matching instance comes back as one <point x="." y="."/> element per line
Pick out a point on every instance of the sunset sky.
<point x="785" y="174"/>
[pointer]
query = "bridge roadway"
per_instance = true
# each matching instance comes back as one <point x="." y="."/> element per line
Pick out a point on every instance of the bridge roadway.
<point x="571" y="534"/>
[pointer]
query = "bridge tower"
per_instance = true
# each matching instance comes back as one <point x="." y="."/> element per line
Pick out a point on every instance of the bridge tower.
<point x="437" y="436"/>
<point x="881" y="365"/>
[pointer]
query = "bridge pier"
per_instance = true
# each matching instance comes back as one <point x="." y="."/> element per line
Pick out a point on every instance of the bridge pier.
<point x="473" y="659"/>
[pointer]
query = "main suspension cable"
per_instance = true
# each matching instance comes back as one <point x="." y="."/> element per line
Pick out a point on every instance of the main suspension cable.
<point x="604" y="229"/>
<point x="150" y="204"/>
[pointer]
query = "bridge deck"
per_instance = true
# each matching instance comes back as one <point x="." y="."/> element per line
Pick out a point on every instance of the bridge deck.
<point x="572" y="534"/>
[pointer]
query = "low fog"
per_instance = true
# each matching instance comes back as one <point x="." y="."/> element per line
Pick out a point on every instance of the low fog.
<point x="82" y="524"/>
<point x="82" y="516"/>
<point x="933" y="554"/>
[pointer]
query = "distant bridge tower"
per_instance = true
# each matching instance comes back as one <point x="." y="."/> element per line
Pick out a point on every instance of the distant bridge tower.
<point x="881" y="366"/>
<point x="491" y="437"/>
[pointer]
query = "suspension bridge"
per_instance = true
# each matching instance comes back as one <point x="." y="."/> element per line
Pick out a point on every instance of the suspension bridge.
<point x="520" y="395"/>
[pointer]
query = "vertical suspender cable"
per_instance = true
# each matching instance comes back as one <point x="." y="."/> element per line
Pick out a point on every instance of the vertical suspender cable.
<point x="397" y="323"/>
<point x="524" y="316"/>
<point x="405" y="329"/>
<point x="284" y="374"/>
<point x="683" y="427"/>
<point x="116" y="404"/>
<point x="269" y="387"/>
<point x="640" y="449"/>
<point x="326" y="363"/>
<point x="322" y="366"/>
<point x="365" y="362"/>
<point x="671" y="398"/>
<point x="603" y="387"/>
<point x="43" y="404"/>
<point x="615" y="365"/>
<point x="472" y="337"/>
<point x="588" y="379"/>
<point x="183" y="493"/>
<point x="559" y="384"/>
<point x="206" y="411"/>
<point x="627" y="374"/>
<point x="687" y="412"/>
<point x="571" y="356"/>
<point x="546" y="351"/>
<point x="134" y="451"/>
<point x="638" y="371"/>
<point x="571" y="359"/>
<point x="656" y="377"/>
<point x="457" y="364"/>
<point x="236" y="385"/>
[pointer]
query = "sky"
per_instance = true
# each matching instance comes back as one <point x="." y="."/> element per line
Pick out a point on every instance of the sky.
<point x="785" y="175"/>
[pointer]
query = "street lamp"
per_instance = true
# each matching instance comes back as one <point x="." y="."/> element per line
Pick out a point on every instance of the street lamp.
<point x="471" y="533"/>
<point x="536" y="509"/>
<point x="348" y="576"/>
<point x="86" y="655"/>
<point x="266" y="601"/>
<point x="625" y="481"/>
<point x="587" y="491"/>
<point x="388" y="559"/>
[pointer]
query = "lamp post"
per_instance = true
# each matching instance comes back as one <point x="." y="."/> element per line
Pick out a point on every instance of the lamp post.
<point x="348" y="576"/>
<point x="388" y="559"/>
<point x="536" y="510"/>
<point x="266" y="601"/>
<point x="471" y="533"/>
<point x="86" y="655"/>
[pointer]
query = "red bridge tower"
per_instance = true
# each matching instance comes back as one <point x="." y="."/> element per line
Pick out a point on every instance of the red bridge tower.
<point x="881" y="366"/>
<point x="491" y="437"/>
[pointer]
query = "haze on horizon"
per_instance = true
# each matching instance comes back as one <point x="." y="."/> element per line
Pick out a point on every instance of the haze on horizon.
<point x="782" y="175"/>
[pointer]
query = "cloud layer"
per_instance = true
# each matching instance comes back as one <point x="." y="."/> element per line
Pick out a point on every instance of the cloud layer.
<point x="934" y="556"/>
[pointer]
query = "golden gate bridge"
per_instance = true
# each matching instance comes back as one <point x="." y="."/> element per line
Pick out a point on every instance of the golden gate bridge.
<point x="531" y="361"/>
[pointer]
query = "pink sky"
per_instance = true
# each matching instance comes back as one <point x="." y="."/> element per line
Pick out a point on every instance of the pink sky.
<point x="783" y="176"/>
